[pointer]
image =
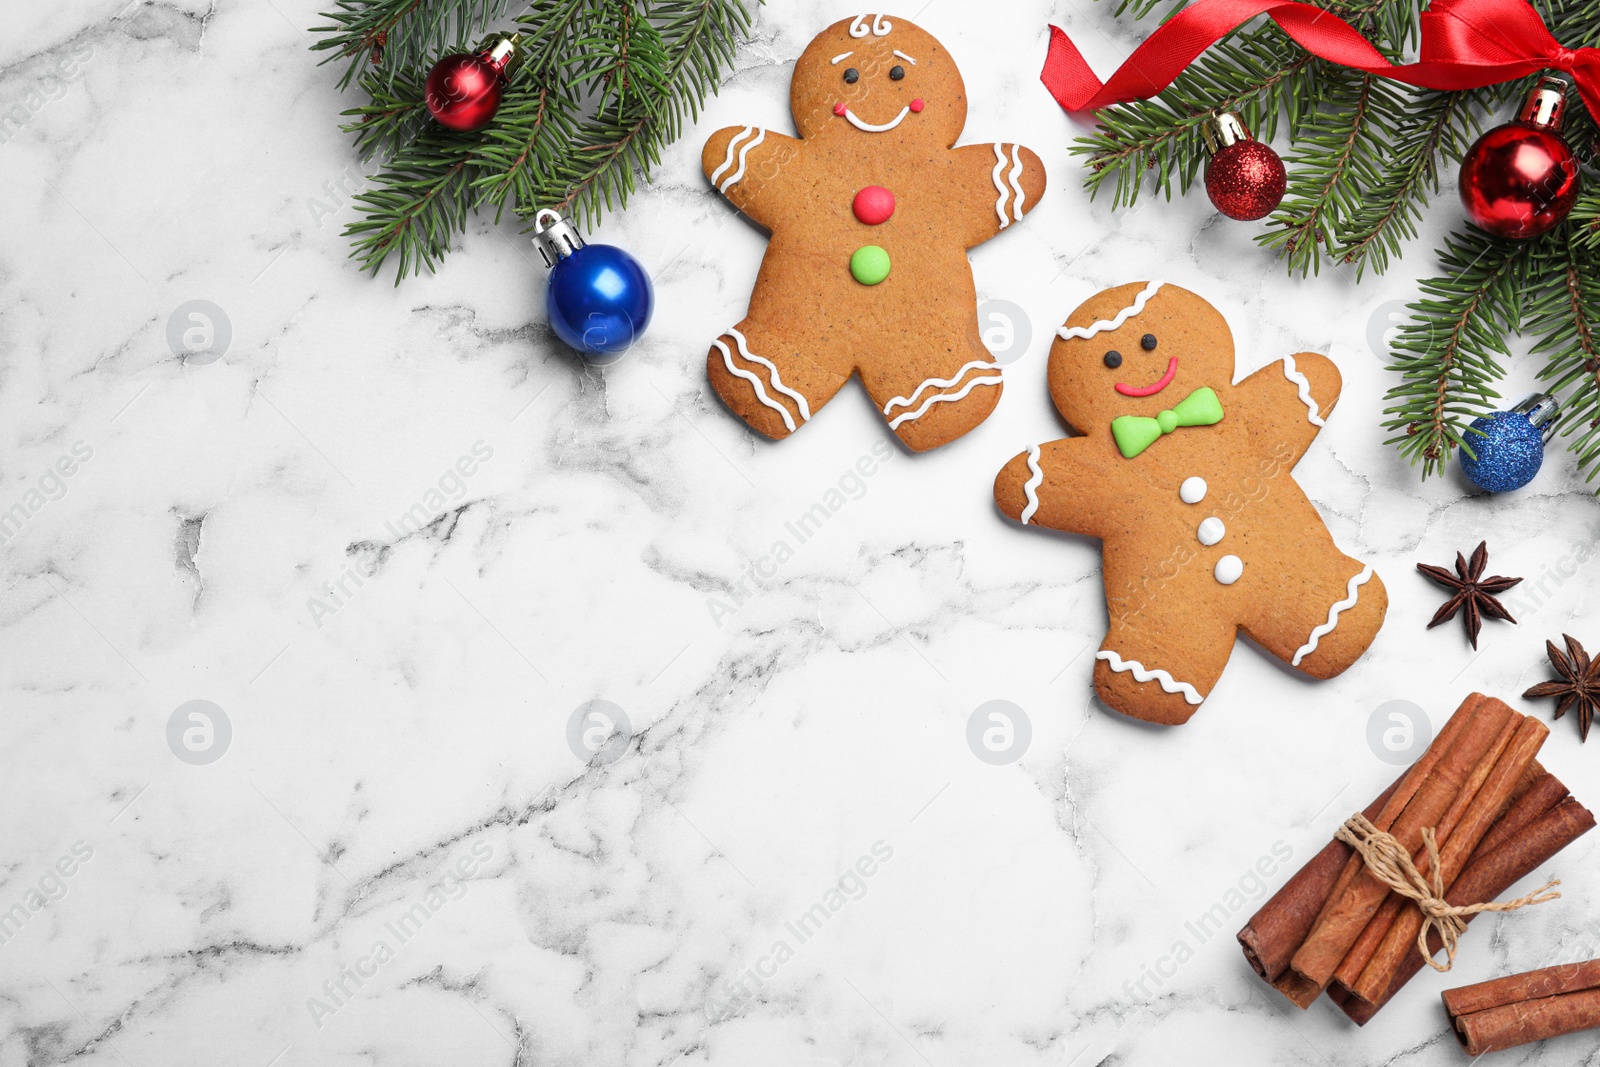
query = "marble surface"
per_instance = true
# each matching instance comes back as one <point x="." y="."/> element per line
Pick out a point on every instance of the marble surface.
<point x="391" y="706"/>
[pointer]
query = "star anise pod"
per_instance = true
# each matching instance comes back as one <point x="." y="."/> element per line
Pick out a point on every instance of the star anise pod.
<point x="1473" y="591"/>
<point x="1579" y="683"/>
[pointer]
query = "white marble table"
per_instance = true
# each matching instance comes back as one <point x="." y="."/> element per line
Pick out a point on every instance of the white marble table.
<point x="396" y="767"/>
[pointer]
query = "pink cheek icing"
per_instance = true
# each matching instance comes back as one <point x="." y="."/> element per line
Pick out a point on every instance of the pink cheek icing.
<point x="1151" y="390"/>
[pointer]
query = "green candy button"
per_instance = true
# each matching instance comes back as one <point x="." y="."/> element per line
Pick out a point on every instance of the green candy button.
<point x="869" y="265"/>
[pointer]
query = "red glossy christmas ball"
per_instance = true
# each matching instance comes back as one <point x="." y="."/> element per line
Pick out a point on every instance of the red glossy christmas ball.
<point x="463" y="91"/>
<point x="1246" y="180"/>
<point x="1518" y="180"/>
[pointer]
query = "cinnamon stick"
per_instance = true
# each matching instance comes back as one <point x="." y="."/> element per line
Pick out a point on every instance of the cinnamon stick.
<point x="1376" y="938"/>
<point x="1520" y="1008"/>
<point x="1490" y="873"/>
<point x="1342" y="922"/>
<point x="1296" y="988"/>
<point x="1488" y="804"/>
<point x="1275" y="931"/>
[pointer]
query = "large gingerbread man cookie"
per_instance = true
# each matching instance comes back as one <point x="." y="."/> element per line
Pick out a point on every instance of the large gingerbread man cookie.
<point x="871" y="211"/>
<point x="1186" y="478"/>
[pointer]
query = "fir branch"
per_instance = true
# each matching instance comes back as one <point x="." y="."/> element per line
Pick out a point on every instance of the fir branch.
<point x="1258" y="73"/>
<point x="1338" y="157"/>
<point x="1564" y="316"/>
<point x="1441" y="126"/>
<point x="387" y="37"/>
<point x="414" y="206"/>
<point x="1447" y="350"/>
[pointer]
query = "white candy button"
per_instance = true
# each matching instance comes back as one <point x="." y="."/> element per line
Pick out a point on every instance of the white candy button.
<point x="1192" y="491"/>
<point x="1229" y="568"/>
<point x="1211" y="531"/>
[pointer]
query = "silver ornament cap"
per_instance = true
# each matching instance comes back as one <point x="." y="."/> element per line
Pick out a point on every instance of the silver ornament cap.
<point x="1541" y="410"/>
<point x="554" y="236"/>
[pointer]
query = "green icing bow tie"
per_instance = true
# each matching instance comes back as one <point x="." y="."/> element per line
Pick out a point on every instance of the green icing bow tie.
<point x="1135" y="433"/>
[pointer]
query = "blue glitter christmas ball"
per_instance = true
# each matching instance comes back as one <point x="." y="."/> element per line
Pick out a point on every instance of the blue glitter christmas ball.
<point x="1508" y="455"/>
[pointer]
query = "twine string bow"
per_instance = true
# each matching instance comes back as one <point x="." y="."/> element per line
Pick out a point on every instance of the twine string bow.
<point x="1391" y="863"/>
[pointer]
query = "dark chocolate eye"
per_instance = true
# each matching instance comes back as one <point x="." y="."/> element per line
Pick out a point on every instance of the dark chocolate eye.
<point x="1148" y="342"/>
<point x="851" y="75"/>
<point x="897" y="72"/>
<point x="1113" y="359"/>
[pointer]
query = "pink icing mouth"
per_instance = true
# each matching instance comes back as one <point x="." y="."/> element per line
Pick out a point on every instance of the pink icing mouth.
<point x="1151" y="390"/>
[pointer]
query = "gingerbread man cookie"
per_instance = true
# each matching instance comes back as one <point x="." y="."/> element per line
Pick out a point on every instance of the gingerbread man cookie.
<point x="871" y="211"/>
<point x="1186" y="478"/>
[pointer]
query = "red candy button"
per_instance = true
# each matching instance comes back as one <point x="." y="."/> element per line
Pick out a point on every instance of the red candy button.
<point x="873" y="205"/>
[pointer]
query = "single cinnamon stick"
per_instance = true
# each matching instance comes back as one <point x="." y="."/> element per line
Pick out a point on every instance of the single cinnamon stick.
<point x="1491" y="873"/>
<point x="1469" y="804"/>
<point x="1546" y="792"/>
<point x="1530" y="985"/>
<point x="1274" y="932"/>
<point x="1342" y="922"/>
<point x="1489" y="804"/>
<point x="1520" y="1008"/>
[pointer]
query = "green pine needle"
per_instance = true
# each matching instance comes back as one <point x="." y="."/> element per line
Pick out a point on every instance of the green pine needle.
<point x="601" y="89"/>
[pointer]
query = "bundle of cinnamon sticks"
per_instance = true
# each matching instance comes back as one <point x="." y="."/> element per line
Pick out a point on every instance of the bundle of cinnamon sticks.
<point x="1515" y="1010"/>
<point x="1496" y="815"/>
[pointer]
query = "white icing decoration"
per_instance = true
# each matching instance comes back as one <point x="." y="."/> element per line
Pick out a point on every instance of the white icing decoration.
<point x="761" y="392"/>
<point x="1000" y="190"/>
<point x="733" y="146"/>
<point x="1229" y="569"/>
<point x="1193" y="490"/>
<point x="744" y="154"/>
<point x="938" y="383"/>
<point x="1141" y="674"/>
<point x="1031" y="487"/>
<point x="905" y="57"/>
<point x="1293" y="374"/>
<point x="1016" y="186"/>
<point x="841" y="55"/>
<point x="880" y="127"/>
<point x="1356" y="582"/>
<point x="939" y="398"/>
<point x="1211" y="531"/>
<point x="777" y="382"/>
<point x="1082" y="332"/>
<point x="880" y="26"/>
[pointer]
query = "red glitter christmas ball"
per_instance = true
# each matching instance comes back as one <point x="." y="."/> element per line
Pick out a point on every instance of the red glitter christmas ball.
<point x="1519" y="180"/>
<point x="1246" y="180"/>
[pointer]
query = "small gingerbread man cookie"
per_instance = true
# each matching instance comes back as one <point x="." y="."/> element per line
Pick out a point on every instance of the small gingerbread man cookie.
<point x="871" y="212"/>
<point x="1186" y="477"/>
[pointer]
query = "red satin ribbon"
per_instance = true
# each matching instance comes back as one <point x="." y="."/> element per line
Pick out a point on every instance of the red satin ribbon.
<point x="1466" y="44"/>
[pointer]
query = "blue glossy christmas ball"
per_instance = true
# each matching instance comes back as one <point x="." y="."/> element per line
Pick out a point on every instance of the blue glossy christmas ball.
<point x="1508" y="455"/>
<point x="599" y="300"/>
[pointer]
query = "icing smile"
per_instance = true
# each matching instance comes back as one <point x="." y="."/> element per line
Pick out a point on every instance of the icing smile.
<point x="843" y="111"/>
<point x="1151" y="390"/>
